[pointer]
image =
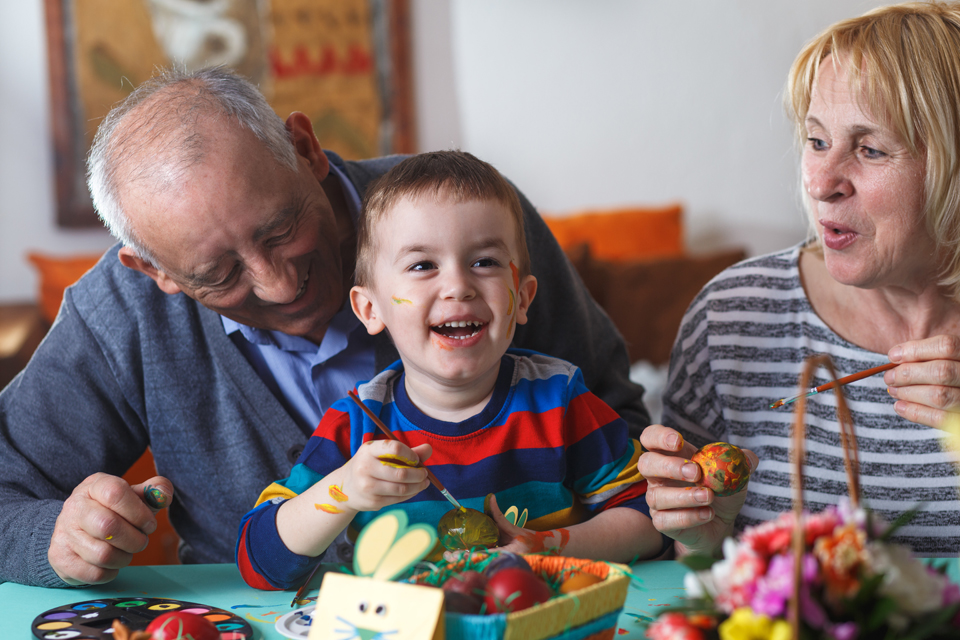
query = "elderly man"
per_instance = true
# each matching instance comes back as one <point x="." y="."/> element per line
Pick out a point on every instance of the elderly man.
<point x="216" y="332"/>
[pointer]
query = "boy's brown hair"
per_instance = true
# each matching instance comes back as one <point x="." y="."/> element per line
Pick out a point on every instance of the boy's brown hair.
<point x="458" y="175"/>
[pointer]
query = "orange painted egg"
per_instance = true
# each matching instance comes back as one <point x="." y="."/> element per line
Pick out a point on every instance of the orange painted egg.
<point x="579" y="581"/>
<point x="725" y="468"/>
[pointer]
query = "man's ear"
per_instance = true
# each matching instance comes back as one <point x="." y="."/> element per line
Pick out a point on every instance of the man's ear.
<point x="366" y="309"/>
<point x="527" y="291"/>
<point x="130" y="259"/>
<point x="307" y="145"/>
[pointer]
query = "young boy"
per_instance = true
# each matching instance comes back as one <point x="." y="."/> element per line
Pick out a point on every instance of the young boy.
<point x="442" y="265"/>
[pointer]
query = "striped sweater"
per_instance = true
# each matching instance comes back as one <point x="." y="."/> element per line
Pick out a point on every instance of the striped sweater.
<point x="741" y="347"/>
<point x="543" y="443"/>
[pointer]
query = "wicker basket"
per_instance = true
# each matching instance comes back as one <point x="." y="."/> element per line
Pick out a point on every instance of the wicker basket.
<point x="588" y="614"/>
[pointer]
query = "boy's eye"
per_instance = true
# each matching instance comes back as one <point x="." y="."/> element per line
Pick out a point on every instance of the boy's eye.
<point x="422" y="266"/>
<point x="486" y="262"/>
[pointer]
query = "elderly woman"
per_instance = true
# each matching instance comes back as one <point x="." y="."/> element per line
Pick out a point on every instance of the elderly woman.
<point x="876" y="102"/>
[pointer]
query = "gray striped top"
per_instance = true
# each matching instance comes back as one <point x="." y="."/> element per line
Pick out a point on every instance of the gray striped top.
<point x="741" y="347"/>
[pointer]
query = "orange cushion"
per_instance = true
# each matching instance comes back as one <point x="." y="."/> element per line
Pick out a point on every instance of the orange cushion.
<point x="56" y="274"/>
<point x="635" y="233"/>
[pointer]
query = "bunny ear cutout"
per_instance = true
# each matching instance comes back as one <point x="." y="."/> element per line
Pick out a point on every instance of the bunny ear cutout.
<point x="514" y="516"/>
<point x="387" y="546"/>
<point x="375" y="540"/>
<point x="410" y="549"/>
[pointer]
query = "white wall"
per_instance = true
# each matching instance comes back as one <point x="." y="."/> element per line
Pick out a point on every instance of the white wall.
<point x="580" y="103"/>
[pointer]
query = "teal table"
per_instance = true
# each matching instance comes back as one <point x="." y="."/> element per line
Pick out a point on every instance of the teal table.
<point x="658" y="585"/>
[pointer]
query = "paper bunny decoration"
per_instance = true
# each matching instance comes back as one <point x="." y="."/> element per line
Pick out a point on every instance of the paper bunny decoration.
<point x="367" y="605"/>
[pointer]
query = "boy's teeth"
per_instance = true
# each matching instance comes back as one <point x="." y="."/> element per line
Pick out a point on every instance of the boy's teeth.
<point x="461" y="323"/>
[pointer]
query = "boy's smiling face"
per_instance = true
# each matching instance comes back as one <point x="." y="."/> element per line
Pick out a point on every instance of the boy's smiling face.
<point x="444" y="284"/>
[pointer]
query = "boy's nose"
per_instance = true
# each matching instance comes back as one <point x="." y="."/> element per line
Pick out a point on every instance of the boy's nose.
<point x="457" y="285"/>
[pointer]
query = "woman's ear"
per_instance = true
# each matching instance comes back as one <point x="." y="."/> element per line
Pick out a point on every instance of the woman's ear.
<point x="525" y="294"/>
<point x="365" y="308"/>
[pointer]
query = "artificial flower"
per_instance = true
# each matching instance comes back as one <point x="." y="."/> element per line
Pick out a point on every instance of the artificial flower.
<point x="841" y="555"/>
<point x="674" y="626"/>
<point x="745" y="624"/>
<point x="907" y="581"/>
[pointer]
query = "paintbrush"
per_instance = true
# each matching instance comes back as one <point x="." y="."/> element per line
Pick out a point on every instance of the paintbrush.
<point x="433" y="479"/>
<point x="853" y="377"/>
<point x="430" y="476"/>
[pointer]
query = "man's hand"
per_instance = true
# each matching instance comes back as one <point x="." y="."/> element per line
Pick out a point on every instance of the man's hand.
<point x="102" y="524"/>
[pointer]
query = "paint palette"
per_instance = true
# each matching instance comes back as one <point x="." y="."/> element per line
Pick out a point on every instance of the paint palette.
<point x="94" y="618"/>
<point x="296" y="624"/>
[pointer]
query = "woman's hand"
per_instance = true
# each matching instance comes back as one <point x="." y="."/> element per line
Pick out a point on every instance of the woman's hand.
<point x="691" y="515"/>
<point x="926" y="382"/>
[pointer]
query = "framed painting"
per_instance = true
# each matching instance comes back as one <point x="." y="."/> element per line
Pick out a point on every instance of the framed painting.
<point x="345" y="63"/>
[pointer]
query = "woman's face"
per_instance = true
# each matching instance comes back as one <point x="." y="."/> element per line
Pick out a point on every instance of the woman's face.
<point x="865" y="192"/>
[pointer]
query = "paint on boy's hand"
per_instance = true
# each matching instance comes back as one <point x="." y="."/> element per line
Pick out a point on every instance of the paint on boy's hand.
<point x="155" y="497"/>
<point x="397" y="462"/>
<point x="401" y="300"/>
<point x="328" y="508"/>
<point x="337" y="493"/>
<point x="552" y="542"/>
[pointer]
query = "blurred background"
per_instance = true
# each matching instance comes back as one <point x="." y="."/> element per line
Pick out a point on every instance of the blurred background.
<point x="581" y="104"/>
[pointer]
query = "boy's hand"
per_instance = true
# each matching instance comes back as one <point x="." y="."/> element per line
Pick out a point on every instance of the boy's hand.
<point x="518" y="540"/>
<point x="382" y="473"/>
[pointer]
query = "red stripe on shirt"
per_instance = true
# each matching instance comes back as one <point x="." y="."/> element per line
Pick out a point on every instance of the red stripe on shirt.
<point x="247" y="572"/>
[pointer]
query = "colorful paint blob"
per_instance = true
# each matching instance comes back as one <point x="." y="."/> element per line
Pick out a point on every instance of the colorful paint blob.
<point x="401" y="300"/>
<point x="154" y="497"/>
<point x="725" y="468"/>
<point x="337" y="493"/>
<point x="328" y="508"/>
<point x="397" y="462"/>
<point x="553" y="542"/>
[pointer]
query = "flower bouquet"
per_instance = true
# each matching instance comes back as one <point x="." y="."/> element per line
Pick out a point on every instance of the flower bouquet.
<point x="831" y="575"/>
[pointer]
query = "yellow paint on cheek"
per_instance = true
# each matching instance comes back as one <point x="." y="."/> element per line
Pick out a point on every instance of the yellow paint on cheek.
<point x="401" y="300"/>
<point x="328" y="508"/>
<point x="337" y="493"/>
<point x="510" y="308"/>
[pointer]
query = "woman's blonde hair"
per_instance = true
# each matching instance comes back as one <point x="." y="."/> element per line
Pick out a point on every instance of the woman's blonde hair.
<point x="904" y="63"/>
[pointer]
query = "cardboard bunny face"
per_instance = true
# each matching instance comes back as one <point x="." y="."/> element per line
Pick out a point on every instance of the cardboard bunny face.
<point x="367" y="606"/>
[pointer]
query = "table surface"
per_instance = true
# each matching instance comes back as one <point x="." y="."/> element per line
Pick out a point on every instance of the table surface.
<point x="657" y="585"/>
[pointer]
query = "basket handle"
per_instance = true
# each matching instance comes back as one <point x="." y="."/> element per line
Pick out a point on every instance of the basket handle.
<point x="851" y="462"/>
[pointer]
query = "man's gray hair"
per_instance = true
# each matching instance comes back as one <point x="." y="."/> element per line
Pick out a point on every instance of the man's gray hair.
<point x="182" y="99"/>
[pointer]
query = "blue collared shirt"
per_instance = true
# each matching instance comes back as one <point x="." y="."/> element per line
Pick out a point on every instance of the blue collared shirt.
<point x="304" y="377"/>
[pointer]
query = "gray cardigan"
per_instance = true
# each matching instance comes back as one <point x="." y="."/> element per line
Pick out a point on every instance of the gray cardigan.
<point x="126" y="366"/>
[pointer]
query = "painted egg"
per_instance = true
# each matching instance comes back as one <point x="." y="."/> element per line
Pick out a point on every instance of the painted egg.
<point x="579" y="581"/>
<point x="725" y="468"/>
<point x="466" y="529"/>
<point x="177" y="625"/>
<point x="515" y="589"/>
<point x="505" y="560"/>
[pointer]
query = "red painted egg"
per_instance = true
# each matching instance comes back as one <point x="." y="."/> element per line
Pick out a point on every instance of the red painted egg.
<point x="515" y="589"/>
<point x="725" y="468"/>
<point x="177" y="625"/>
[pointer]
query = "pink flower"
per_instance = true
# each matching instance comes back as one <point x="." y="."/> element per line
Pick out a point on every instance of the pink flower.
<point x="775" y="588"/>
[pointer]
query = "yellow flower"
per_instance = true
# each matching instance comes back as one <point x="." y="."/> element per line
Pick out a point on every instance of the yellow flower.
<point x="744" y="624"/>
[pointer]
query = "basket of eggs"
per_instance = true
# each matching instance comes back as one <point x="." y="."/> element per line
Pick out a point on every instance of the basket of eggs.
<point x="529" y="597"/>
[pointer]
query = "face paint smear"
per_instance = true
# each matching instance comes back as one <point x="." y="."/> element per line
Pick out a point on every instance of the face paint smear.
<point x="401" y="300"/>
<point x="337" y="493"/>
<point x="328" y="508"/>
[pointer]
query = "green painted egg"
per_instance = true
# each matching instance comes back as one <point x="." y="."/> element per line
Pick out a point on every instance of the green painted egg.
<point x="467" y="529"/>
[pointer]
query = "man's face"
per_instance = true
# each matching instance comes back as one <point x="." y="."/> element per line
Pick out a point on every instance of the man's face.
<point x="246" y="237"/>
